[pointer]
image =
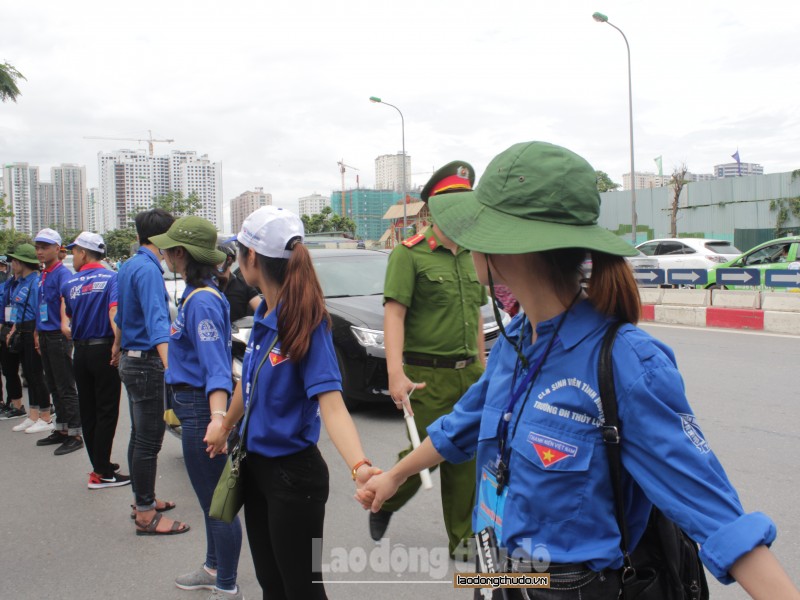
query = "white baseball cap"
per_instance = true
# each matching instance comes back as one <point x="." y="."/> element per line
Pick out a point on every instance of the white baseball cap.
<point x="269" y="230"/>
<point x="90" y="241"/>
<point x="48" y="236"/>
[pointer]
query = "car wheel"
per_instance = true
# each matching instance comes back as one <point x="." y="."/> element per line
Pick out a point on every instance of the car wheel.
<point x="349" y="402"/>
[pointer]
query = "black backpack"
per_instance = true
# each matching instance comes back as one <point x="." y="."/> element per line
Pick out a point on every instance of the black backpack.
<point x="665" y="564"/>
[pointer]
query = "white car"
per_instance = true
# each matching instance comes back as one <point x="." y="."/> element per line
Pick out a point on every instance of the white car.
<point x="689" y="253"/>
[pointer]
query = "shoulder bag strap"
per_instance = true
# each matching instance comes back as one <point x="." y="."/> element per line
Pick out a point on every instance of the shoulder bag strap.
<point x="243" y="435"/>
<point x="612" y="437"/>
<point x="200" y="289"/>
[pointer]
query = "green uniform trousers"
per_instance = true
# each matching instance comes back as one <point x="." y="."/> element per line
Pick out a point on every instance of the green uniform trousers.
<point x="444" y="387"/>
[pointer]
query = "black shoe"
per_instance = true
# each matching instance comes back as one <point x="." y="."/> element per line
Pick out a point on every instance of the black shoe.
<point x="14" y="413"/>
<point x="70" y="445"/>
<point x="114" y="467"/>
<point x="378" y="522"/>
<point x="55" y="437"/>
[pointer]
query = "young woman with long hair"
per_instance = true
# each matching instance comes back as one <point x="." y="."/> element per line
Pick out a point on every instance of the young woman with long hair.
<point x="535" y="418"/>
<point x="290" y="384"/>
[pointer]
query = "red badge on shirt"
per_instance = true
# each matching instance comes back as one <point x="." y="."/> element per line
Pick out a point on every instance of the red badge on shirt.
<point x="276" y="358"/>
<point x="549" y="450"/>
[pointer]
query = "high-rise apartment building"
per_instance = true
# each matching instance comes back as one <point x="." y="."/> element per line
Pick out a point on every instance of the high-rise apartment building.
<point x="245" y="203"/>
<point x="94" y="211"/>
<point x="389" y="172"/>
<point x="313" y="204"/>
<point x="131" y="179"/>
<point x="70" y="207"/>
<point x="366" y="208"/>
<point x="21" y="190"/>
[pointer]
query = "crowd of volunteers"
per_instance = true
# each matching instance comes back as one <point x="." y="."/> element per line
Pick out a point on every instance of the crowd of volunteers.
<point x="518" y="437"/>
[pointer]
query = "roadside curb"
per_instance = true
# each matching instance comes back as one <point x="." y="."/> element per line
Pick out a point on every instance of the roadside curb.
<point x="696" y="311"/>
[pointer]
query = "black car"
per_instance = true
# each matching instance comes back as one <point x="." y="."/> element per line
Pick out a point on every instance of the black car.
<point x="352" y="282"/>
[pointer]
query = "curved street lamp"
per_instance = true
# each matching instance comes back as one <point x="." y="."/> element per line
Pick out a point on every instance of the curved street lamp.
<point x="601" y="18"/>
<point x="377" y="100"/>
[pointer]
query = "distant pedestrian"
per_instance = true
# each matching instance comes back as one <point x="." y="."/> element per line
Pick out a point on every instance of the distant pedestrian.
<point x="55" y="348"/>
<point x="140" y="348"/>
<point x="12" y="407"/>
<point x="90" y="304"/>
<point x="199" y="386"/>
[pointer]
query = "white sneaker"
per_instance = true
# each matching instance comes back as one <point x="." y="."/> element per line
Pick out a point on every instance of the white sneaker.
<point x="28" y="422"/>
<point x="40" y="426"/>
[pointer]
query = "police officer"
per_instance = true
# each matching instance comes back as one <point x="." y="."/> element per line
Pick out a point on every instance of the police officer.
<point x="434" y="337"/>
<point x="90" y="301"/>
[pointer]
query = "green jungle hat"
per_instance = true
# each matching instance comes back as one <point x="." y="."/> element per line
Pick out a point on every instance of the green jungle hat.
<point x="533" y="197"/>
<point x="25" y="253"/>
<point x="197" y="235"/>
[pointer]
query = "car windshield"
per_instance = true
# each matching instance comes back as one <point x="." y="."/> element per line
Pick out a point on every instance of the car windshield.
<point x="722" y="248"/>
<point x="351" y="275"/>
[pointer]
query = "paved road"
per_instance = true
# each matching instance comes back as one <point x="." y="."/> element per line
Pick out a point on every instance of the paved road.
<point x="60" y="540"/>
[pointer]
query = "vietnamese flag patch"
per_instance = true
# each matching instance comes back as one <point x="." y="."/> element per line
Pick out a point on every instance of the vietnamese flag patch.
<point x="549" y="450"/>
<point x="276" y="358"/>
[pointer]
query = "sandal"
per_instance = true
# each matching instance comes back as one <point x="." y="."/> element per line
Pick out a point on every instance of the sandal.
<point x="151" y="528"/>
<point x="167" y="506"/>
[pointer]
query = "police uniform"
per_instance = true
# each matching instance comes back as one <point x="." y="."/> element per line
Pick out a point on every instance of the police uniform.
<point x="89" y="295"/>
<point x="558" y="502"/>
<point x="443" y="296"/>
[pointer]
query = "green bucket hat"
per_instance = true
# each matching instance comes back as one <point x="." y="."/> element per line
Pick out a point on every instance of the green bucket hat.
<point x="25" y="253"/>
<point x="197" y="235"/>
<point x="533" y="197"/>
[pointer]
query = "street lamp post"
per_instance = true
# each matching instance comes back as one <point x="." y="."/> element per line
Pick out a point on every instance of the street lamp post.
<point x="601" y="18"/>
<point x="377" y="100"/>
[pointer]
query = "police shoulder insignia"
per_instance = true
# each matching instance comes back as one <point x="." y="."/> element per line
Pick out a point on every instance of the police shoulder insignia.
<point x="413" y="240"/>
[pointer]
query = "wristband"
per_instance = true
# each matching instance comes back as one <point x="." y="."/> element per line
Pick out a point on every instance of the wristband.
<point x="359" y="464"/>
<point x="219" y="412"/>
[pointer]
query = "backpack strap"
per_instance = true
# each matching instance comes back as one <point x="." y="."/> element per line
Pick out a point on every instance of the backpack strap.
<point x="612" y="437"/>
<point x="206" y="288"/>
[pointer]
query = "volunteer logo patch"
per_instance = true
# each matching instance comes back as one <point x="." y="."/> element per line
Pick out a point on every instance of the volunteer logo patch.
<point x="692" y="431"/>
<point x="276" y="358"/>
<point x="549" y="450"/>
<point x="207" y="331"/>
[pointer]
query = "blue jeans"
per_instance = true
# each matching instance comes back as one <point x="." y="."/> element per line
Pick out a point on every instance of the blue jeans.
<point x="223" y="540"/>
<point x="144" y="381"/>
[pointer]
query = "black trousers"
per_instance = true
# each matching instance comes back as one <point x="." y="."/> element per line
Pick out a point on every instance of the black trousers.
<point x="56" y="354"/>
<point x="99" y="390"/>
<point x="38" y="394"/>
<point x="284" y="505"/>
<point x="10" y="364"/>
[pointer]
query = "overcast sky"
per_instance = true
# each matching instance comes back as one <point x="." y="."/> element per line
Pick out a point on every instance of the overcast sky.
<point x="278" y="91"/>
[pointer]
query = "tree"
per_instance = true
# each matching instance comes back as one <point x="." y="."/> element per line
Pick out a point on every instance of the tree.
<point x="176" y="204"/>
<point x="604" y="183"/>
<point x="677" y="181"/>
<point x="327" y="221"/>
<point x="8" y="82"/>
<point x="119" y="242"/>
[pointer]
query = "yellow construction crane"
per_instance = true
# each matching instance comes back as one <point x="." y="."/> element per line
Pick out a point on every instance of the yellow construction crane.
<point x="149" y="140"/>
<point x="342" y="169"/>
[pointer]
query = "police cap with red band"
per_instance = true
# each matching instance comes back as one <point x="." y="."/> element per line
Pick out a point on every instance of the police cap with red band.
<point x="456" y="176"/>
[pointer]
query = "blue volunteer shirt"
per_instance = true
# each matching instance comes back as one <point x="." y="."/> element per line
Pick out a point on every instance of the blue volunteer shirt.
<point x="89" y="295"/>
<point x="200" y="342"/>
<point x="25" y="299"/>
<point x="9" y="285"/>
<point x="143" y="309"/>
<point x="48" y="317"/>
<point x="284" y="418"/>
<point x="559" y="490"/>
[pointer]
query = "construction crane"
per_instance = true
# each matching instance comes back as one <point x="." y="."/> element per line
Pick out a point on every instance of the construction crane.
<point x="341" y="170"/>
<point x="149" y="140"/>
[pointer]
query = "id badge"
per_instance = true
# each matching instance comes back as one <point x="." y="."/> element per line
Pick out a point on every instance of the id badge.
<point x="490" y="503"/>
<point x="13" y="317"/>
<point x="9" y="314"/>
<point x="43" y="313"/>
